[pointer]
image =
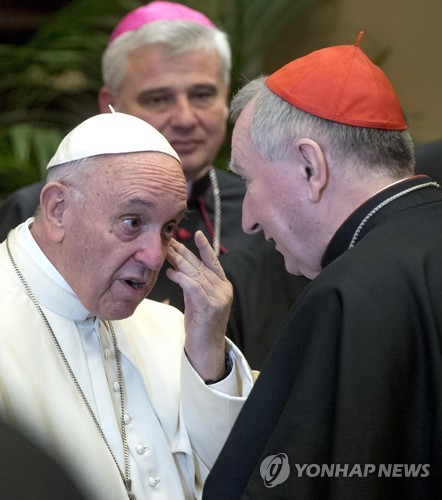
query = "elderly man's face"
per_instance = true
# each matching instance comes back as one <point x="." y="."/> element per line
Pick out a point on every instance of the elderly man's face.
<point x="276" y="202"/>
<point x="181" y="96"/>
<point x="116" y="241"/>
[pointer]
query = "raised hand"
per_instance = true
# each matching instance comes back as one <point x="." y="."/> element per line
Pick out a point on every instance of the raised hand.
<point x="208" y="297"/>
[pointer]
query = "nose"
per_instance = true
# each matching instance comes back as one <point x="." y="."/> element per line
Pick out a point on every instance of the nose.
<point x="183" y="113"/>
<point x="152" y="251"/>
<point x="249" y="224"/>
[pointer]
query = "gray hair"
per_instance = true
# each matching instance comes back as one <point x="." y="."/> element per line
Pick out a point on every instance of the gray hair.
<point x="277" y="124"/>
<point x="175" y="36"/>
<point x="75" y="174"/>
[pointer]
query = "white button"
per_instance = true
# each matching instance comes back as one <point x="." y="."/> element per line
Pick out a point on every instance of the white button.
<point x="142" y="448"/>
<point x="116" y="387"/>
<point x="127" y="419"/>
<point x="107" y="353"/>
<point x="153" y="481"/>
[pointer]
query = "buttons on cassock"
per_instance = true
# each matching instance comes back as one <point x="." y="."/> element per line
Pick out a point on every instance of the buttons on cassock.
<point x="153" y="481"/>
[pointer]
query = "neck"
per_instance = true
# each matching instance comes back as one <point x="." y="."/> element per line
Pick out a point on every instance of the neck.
<point x="392" y="182"/>
<point x="344" y="197"/>
<point x="193" y="178"/>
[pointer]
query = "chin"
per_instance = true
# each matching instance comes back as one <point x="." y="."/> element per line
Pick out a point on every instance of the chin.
<point x="292" y="268"/>
<point x="294" y="272"/>
<point x="193" y="170"/>
<point x="117" y="313"/>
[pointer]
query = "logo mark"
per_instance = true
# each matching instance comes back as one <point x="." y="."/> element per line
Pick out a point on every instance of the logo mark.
<point x="275" y="469"/>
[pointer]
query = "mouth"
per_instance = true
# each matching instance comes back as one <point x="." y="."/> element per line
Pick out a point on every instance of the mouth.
<point x="183" y="147"/>
<point x="136" y="285"/>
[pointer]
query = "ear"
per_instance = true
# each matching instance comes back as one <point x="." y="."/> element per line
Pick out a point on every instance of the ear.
<point x="53" y="204"/>
<point x="105" y="97"/>
<point x="315" y="168"/>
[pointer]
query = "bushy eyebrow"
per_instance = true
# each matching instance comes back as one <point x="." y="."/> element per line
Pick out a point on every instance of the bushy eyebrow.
<point x="171" y="90"/>
<point x="133" y="202"/>
<point x="158" y="90"/>
<point x="139" y="202"/>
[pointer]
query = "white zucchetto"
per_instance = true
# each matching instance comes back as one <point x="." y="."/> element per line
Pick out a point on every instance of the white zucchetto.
<point x="110" y="133"/>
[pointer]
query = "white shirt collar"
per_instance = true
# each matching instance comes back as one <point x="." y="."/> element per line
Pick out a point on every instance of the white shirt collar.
<point x="46" y="283"/>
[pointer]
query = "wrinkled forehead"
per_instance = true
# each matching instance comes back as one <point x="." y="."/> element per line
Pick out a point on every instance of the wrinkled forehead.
<point x="151" y="62"/>
<point x="144" y="169"/>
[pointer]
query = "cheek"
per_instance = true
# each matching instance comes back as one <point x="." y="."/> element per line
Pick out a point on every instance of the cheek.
<point x="260" y="200"/>
<point x="90" y="253"/>
<point x="88" y="264"/>
<point x="132" y="107"/>
<point x="157" y="120"/>
<point x="276" y="214"/>
<point x="125" y="103"/>
<point x="215" y="121"/>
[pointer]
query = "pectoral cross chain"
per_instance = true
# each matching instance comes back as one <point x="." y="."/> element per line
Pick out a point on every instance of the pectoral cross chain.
<point x="128" y="484"/>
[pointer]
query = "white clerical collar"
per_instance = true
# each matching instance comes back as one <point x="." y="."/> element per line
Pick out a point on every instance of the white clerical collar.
<point x="49" y="287"/>
<point x="26" y="240"/>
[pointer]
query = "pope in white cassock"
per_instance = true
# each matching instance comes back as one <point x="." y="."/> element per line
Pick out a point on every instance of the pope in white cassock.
<point x="132" y="398"/>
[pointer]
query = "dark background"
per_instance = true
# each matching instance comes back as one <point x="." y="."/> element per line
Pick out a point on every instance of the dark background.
<point x="19" y="19"/>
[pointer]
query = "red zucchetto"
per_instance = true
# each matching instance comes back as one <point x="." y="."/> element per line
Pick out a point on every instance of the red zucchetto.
<point x="340" y="84"/>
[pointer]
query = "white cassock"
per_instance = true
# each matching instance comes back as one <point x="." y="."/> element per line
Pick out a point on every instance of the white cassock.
<point x="175" y="423"/>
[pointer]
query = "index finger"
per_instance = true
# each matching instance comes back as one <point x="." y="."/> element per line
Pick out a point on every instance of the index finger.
<point x="207" y="254"/>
